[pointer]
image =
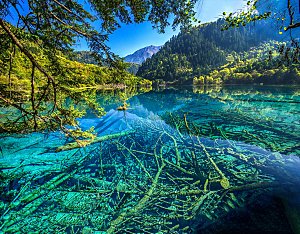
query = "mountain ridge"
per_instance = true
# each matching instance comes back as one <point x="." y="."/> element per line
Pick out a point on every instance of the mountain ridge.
<point x="142" y="54"/>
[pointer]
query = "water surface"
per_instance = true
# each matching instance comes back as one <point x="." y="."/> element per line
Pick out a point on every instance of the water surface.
<point x="195" y="159"/>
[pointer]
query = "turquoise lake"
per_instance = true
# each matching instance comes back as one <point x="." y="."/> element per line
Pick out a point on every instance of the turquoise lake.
<point x="178" y="160"/>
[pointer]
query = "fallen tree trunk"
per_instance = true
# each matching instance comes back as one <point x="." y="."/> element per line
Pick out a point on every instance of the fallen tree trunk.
<point x="83" y="143"/>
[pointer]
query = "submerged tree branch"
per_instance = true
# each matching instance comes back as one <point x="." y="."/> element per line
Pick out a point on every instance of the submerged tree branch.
<point x="83" y="143"/>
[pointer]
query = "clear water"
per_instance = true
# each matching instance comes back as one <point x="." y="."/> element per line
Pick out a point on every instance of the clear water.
<point x="190" y="160"/>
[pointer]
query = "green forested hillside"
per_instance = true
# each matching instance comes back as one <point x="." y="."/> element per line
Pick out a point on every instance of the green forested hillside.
<point x="133" y="68"/>
<point x="203" y="49"/>
<point x="75" y="74"/>
<point x="83" y="57"/>
<point x="88" y="58"/>
<point x="261" y="64"/>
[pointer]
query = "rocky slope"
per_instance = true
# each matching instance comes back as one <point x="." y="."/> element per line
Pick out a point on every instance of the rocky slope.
<point x="141" y="55"/>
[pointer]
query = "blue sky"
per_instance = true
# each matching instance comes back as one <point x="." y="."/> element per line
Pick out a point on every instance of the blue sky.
<point x="130" y="38"/>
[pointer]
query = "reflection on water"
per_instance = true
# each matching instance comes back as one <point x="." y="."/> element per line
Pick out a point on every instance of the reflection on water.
<point x="206" y="159"/>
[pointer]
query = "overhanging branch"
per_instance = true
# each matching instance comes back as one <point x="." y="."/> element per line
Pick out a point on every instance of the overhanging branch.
<point x="29" y="56"/>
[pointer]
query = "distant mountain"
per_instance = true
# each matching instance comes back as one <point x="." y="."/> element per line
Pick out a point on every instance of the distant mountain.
<point x="141" y="55"/>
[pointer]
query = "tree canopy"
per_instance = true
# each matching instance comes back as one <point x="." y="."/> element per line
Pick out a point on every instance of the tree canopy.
<point x="59" y="23"/>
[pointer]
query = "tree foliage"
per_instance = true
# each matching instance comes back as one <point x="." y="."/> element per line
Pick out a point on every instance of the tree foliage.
<point x="59" y="23"/>
<point x="43" y="30"/>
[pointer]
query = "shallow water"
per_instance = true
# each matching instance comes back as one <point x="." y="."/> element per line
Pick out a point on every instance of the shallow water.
<point x="195" y="159"/>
